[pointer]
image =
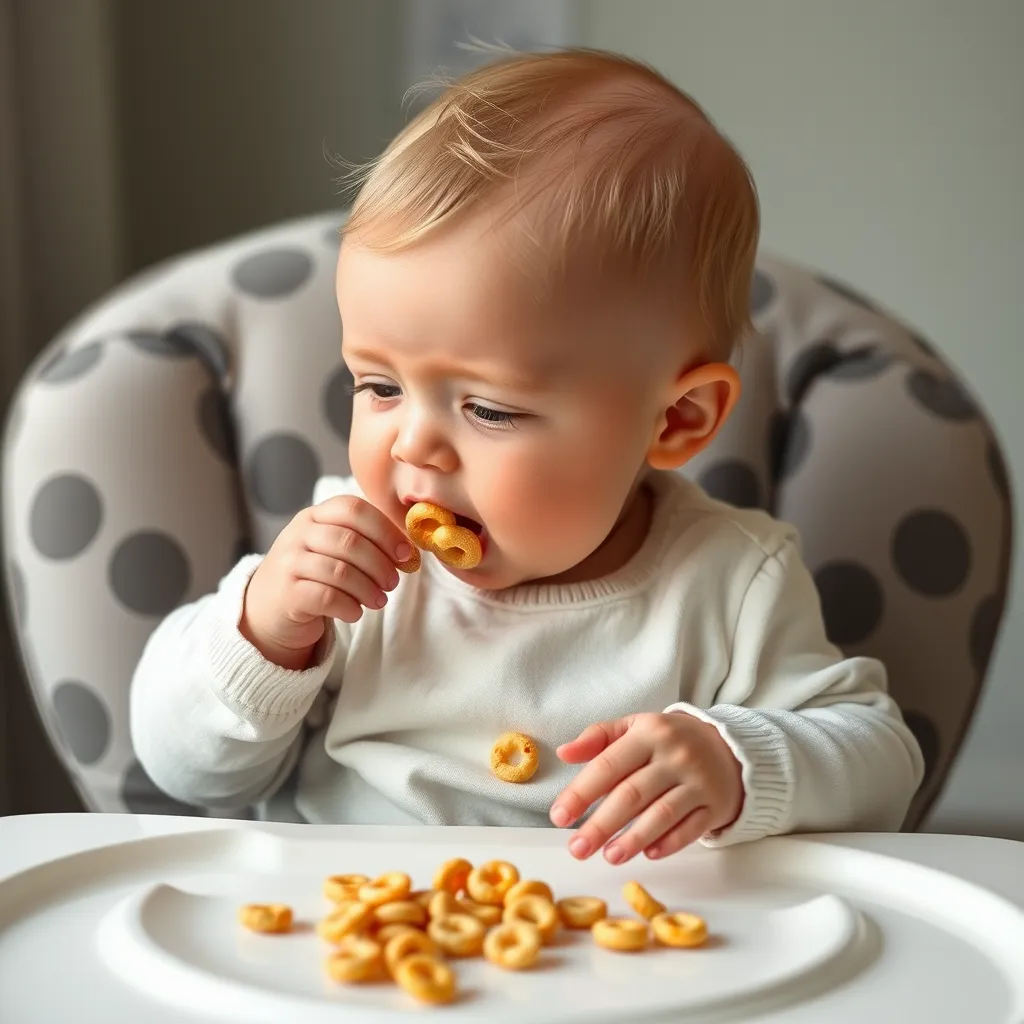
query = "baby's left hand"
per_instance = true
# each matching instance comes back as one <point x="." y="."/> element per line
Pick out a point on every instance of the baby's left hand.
<point x="672" y="775"/>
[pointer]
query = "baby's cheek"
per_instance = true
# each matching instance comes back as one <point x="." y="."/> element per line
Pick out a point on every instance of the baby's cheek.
<point x="545" y="507"/>
<point x="369" y="455"/>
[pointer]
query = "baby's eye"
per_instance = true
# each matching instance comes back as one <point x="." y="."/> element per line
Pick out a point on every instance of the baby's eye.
<point x="378" y="390"/>
<point x="494" y="417"/>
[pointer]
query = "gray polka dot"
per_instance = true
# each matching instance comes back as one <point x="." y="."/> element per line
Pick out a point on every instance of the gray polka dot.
<point x="861" y="364"/>
<point x="847" y="292"/>
<point x="18" y="593"/>
<point x="337" y="401"/>
<point x="852" y="602"/>
<point x="150" y="573"/>
<point x="83" y="719"/>
<point x="734" y="482"/>
<point x="274" y="274"/>
<point x="927" y="737"/>
<point x="185" y="341"/>
<point x="203" y="341"/>
<point x="813" y="361"/>
<point x="997" y="467"/>
<point x="762" y="292"/>
<point x="984" y="630"/>
<point x="156" y="344"/>
<point x="141" y="795"/>
<point x="65" y="516"/>
<point x="282" y="472"/>
<point x="942" y="396"/>
<point x="217" y="424"/>
<point x="789" y="443"/>
<point x="69" y="365"/>
<point x="799" y="444"/>
<point x="932" y="552"/>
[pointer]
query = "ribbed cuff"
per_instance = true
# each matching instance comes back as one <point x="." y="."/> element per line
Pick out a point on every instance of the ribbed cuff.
<point x="241" y="676"/>
<point x="764" y="756"/>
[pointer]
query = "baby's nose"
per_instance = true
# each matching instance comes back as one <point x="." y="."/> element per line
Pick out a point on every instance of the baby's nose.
<point x="423" y="445"/>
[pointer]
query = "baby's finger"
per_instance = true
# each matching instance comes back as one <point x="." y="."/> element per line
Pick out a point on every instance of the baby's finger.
<point x="340" y="576"/>
<point x="320" y="599"/>
<point x="361" y="516"/>
<point x="689" y="830"/>
<point x="343" y="544"/>
<point x="625" y="802"/>
<point x="607" y="769"/>
<point x="658" y="820"/>
<point x="592" y="741"/>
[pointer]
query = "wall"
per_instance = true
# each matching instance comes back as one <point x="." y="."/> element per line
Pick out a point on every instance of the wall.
<point x="226" y="110"/>
<point x="60" y="247"/>
<point x="887" y="140"/>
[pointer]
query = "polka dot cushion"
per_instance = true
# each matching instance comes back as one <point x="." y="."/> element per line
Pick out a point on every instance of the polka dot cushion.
<point x="183" y="420"/>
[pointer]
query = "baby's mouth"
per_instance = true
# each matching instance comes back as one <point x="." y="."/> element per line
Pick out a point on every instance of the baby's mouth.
<point x="466" y="522"/>
<point x="469" y="524"/>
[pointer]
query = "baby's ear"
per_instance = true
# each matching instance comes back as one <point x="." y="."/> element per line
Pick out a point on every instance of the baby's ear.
<point x="701" y="401"/>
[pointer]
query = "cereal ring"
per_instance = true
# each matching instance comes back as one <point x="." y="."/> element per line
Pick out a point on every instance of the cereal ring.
<point x="386" y="889"/>
<point x="681" y="930"/>
<point x="409" y="942"/>
<point x="529" y="887"/>
<point x="489" y="882"/>
<point x="486" y="912"/>
<point x="514" y="757"/>
<point x="451" y="875"/>
<point x="641" y="900"/>
<point x="423" y="519"/>
<point x="458" y="934"/>
<point x="386" y="932"/>
<point x="346" y="919"/>
<point x="357" y="959"/>
<point x="442" y="904"/>
<point x="411" y="564"/>
<point x="268" y="918"/>
<point x="422" y="897"/>
<point x="582" y="911"/>
<point x="514" y="945"/>
<point x="426" y="978"/>
<point x="622" y="934"/>
<point x="534" y="910"/>
<point x="400" y="912"/>
<point x="338" y="888"/>
<point x="457" y="546"/>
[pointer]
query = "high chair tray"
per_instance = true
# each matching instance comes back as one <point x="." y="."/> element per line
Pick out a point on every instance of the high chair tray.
<point x="801" y="929"/>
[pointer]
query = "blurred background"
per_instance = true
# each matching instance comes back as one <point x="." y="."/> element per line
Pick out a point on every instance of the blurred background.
<point x="887" y="141"/>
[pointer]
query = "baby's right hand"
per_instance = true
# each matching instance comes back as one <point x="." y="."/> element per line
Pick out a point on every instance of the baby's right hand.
<point x="329" y="562"/>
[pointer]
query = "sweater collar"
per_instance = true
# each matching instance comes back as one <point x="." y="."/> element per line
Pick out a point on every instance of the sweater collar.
<point x="670" y="491"/>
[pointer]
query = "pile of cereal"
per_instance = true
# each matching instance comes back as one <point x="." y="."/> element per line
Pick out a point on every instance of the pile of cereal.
<point x="380" y="928"/>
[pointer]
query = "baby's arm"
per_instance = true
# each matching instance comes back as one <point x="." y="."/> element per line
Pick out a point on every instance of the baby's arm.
<point x="822" y="745"/>
<point x="213" y="722"/>
<point x="222" y="688"/>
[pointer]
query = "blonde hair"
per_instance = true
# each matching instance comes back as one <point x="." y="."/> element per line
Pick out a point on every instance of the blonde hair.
<point x="623" y="161"/>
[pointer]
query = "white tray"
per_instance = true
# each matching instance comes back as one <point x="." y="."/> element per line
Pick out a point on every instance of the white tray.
<point x="145" y="931"/>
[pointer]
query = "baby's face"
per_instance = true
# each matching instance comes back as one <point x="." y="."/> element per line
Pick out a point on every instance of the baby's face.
<point x="528" y="418"/>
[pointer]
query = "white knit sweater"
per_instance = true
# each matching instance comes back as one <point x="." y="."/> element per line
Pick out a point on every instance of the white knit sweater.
<point x="716" y="615"/>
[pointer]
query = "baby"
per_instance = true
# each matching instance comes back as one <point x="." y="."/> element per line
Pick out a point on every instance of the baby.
<point x="541" y="283"/>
